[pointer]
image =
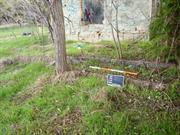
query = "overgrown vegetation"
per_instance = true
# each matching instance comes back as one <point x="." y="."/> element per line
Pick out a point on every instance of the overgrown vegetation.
<point x="165" y="31"/>
<point x="85" y="106"/>
<point x="33" y="100"/>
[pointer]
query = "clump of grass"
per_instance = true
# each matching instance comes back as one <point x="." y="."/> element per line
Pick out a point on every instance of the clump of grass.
<point x="21" y="45"/>
<point x="20" y="79"/>
<point x="115" y="114"/>
<point x="80" y="49"/>
<point x="13" y="31"/>
<point x="8" y="47"/>
<point x="151" y="51"/>
<point x="146" y="50"/>
<point x="71" y="42"/>
<point x="106" y="42"/>
<point x="103" y="109"/>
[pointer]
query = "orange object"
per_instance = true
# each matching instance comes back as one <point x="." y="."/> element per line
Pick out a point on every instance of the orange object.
<point x="127" y="73"/>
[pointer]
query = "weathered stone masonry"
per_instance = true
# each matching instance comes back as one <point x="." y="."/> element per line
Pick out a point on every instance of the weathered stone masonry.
<point x="134" y="17"/>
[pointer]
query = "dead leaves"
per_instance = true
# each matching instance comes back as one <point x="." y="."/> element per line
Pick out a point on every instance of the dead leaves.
<point x="61" y="125"/>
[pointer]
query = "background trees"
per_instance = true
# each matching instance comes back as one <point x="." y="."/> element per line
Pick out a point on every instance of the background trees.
<point x="5" y="11"/>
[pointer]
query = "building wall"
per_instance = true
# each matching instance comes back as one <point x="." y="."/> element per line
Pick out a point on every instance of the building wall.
<point x="133" y="20"/>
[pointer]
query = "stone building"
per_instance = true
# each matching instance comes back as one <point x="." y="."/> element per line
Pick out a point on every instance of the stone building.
<point x="91" y="19"/>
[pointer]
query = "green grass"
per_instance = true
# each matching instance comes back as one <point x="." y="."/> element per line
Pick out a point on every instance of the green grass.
<point x="142" y="50"/>
<point x="22" y="46"/>
<point x="16" y="30"/>
<point x="75" y="49"/>
<point x="19" y="79"/>
<point x="11" y="45"/>
<point x="104" y="110"/>
<point x="145" y="50"/>
<point x="151" y="51"/>
<point x="104" y="116"/>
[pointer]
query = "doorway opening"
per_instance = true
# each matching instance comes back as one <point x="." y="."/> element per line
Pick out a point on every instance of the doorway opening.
<point x="93" y="11"/>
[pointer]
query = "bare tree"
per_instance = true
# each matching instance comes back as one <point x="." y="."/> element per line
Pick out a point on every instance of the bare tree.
<point x="117" y="42"/>
<point x="49" y="12"/>
<point x="7" y="12"/>
<point x="115" y="27"/>
<point x="59" y="35"/>
<point x="113" y="12"/>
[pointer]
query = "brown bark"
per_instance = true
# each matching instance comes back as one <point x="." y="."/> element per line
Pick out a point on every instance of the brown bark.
<point x="59" y="36"/>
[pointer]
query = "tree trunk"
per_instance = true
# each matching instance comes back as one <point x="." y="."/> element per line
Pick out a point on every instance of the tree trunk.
<point x="117" y="33"/>
<point x="115" y="43"/>
<point x="59" y="36"/>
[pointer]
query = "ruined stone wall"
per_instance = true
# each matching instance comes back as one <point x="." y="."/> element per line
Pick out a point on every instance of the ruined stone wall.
<point x="133" y="18"/>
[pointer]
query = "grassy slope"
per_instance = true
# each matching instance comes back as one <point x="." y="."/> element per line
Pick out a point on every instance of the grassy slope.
<point x="10" y="46"/>
<point x="126" y="111"/>
<point x="99" y="115"/>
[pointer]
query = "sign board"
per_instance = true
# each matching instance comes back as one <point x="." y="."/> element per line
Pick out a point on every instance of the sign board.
<point x="115" y="80"/>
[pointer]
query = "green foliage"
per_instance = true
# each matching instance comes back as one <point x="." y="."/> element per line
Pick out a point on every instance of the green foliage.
<point x="79" y="48"/>
<point x="19" y="79"/>
<point x="150" y="50"/>
<point x="106" y="42"/>
<point x="13" y="43"/>
<point x="32" y="46"/>
<point x="99" y="116"/>
<point x="12" y="30"/>
<point x="8" y="47"/>
<point x="174" y="90"/>
<point x="104" y="110"/>
<point x="162" y="26"/>
<point x="71" y="41"/>
<point x="164" y="29"/>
